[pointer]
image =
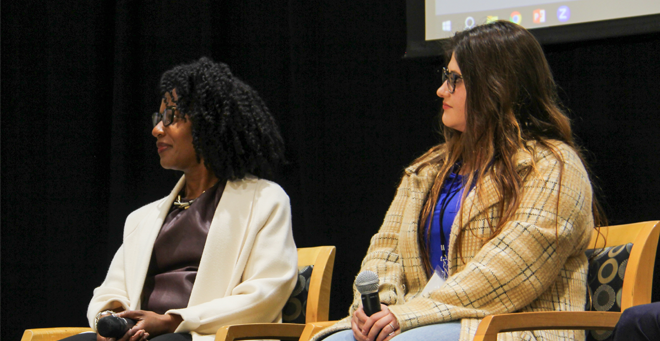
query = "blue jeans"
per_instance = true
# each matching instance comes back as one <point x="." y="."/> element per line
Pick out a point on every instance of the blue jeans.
<point x="448" y="331"/>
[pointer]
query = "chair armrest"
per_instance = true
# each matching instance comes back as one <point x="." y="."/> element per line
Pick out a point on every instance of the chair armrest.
<point x="282" y="331"/>
<point x="314" y="327"/>
<point x="52" y="334"/>
<point x="493" y="324"/>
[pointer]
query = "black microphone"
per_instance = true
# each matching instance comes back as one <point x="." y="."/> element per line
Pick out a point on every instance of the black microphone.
<point x="367" y="284"/>
<point x="114" y="326"/>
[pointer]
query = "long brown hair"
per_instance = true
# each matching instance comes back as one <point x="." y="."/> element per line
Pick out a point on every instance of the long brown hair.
<point x="511" y="100"/>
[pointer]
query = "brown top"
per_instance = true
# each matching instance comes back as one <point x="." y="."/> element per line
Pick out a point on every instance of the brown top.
<point x="177" y="252"/>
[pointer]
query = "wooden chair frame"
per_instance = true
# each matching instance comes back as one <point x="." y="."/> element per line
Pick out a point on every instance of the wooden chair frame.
<point x="52" y="334"/>
<point x="318" y="306"/>
<point x="636" y="290"/>
<point x="318" y="302"/>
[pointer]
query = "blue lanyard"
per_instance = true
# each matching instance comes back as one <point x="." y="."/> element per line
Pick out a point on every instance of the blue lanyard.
<point x="451" y="193"/>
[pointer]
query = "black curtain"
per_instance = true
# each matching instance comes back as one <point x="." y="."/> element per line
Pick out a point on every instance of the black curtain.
<point x="79" y="81"/>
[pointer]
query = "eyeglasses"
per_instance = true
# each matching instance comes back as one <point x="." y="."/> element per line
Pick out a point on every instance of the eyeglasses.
<point x="168" y="116"/>
<point x="451" y="78"/>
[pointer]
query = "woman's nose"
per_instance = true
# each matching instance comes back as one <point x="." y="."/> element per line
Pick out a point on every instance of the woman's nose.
<point x="442" y="91"/>
<point x="158" y="129"/>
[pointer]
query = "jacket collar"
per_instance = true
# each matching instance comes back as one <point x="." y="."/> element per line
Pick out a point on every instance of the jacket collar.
<point x="421" y="180"/>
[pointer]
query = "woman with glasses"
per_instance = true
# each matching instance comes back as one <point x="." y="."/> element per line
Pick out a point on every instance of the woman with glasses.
<point x="496" y="218"/>
<point x="218" y="249"/>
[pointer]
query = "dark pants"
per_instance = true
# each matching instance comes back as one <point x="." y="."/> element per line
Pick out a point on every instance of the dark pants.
<point x="164" y="337"/>
<point x="638" y="323"/>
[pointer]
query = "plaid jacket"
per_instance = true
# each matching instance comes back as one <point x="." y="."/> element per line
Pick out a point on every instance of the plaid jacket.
<point x="536" y="263"/>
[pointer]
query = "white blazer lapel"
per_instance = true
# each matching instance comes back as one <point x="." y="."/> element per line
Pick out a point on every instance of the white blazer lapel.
<point x="223" y="260"/>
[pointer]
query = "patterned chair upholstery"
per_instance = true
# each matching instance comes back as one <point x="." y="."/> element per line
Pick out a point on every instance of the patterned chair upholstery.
<point x="607" y="269"/>
<point x="294" y="310"/>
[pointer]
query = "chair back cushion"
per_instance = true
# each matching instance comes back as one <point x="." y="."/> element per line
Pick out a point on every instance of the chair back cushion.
<point x="607" y="268"/>
<point x="294" y="310"/>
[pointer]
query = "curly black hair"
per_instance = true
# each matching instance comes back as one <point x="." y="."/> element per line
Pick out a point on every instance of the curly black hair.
<point x="233" y="130"/>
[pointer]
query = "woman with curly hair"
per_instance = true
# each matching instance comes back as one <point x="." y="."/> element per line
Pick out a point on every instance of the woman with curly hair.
<point x="219" y="248"/>
<point x="501" y="212"/>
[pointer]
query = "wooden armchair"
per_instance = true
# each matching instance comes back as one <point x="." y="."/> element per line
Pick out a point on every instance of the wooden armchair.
<point x="321" y="258"/>
<point x="636" y="287"/>
<point x="318" y="302"/>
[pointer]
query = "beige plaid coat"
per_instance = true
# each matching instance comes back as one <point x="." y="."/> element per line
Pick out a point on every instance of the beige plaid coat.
<point x="536" y="263"/>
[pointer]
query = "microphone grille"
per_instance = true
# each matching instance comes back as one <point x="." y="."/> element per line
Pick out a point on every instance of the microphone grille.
<point x="366" y="282"/>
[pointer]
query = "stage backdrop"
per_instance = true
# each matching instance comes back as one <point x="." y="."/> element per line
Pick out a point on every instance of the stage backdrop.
<point x="79" y="82"/>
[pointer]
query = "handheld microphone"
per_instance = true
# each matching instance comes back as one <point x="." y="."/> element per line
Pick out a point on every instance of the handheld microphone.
<point x="113" y="326"/>
<point x="367" y="284"/>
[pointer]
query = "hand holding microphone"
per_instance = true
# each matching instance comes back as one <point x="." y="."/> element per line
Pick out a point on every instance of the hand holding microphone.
<point x="367" y="284"/>
<point x="114" y="326"/>
<point x="135" y="325"/>
<point x="378" y="321"/>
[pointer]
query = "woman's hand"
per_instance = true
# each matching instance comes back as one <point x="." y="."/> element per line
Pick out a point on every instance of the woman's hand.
<point x="131" y="335"/>
<point x="151" y="323"/>
<point x="380" y="326"/>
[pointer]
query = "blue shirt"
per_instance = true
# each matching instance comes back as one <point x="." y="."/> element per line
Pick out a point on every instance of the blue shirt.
<point x="449" y="198"/>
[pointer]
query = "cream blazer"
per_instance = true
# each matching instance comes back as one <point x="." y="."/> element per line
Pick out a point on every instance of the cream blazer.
<point x="247" y="270"/>
<point x="536" y="263"/>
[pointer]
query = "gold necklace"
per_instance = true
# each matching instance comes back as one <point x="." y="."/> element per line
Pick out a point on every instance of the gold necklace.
<point x="186" y="204"/>
<point x="183" y="204"/>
